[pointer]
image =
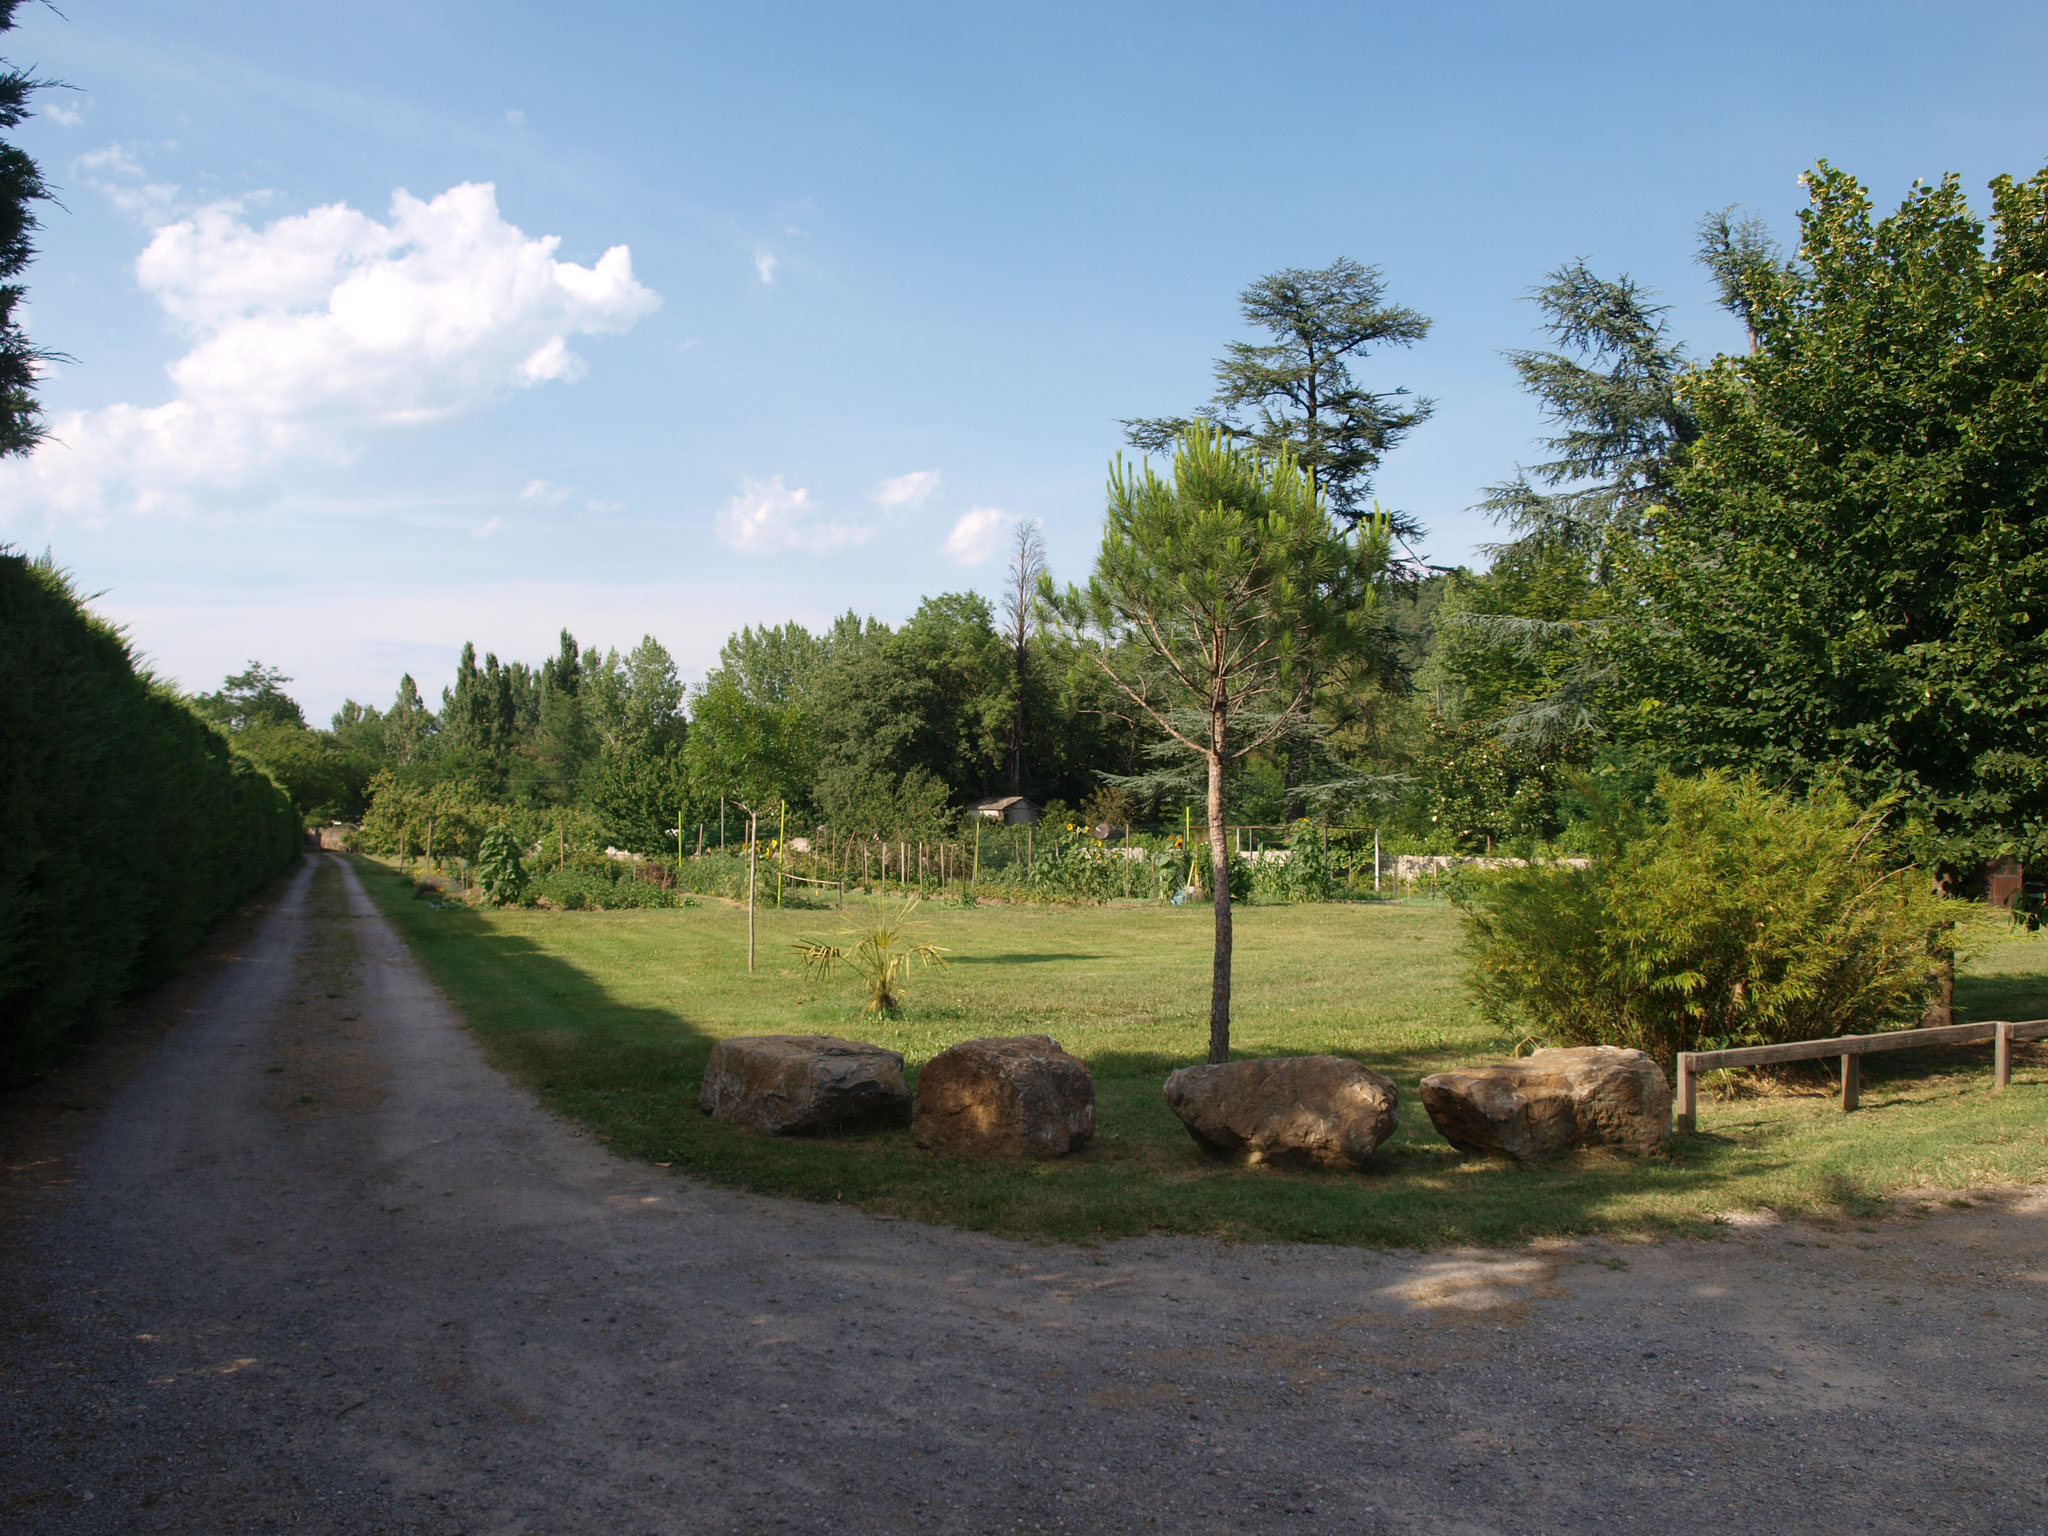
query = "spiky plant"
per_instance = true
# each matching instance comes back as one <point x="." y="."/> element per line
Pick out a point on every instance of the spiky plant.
<point x="884" y="947"/>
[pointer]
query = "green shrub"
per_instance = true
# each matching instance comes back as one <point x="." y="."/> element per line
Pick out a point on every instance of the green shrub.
<point x="130" y="827"/>
<point x="575" y="890"/>
<point x="1723" y="915"/>
<point x="498" y="867"/>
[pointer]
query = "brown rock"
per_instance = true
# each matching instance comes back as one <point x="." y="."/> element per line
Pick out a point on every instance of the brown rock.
<point x="804" y="1085"/>
<point x="1015" y="1096"/>
<point x="1546" y="1104"/>
<point x="1311" y="1111"/>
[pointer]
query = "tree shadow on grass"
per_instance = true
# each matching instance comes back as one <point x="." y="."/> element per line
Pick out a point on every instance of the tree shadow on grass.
<point x="1038" y="959"/>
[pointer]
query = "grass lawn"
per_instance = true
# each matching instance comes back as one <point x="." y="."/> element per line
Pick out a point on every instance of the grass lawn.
<point x="609" y="1017"/>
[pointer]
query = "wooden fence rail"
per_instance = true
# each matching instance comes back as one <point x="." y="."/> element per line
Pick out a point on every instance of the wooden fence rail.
<point x="1852" y="1049"/>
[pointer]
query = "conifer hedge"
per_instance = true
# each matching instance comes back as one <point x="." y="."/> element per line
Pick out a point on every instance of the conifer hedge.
<point x="127" y="826"/>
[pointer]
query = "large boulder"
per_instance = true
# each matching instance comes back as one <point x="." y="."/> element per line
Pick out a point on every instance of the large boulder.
<point x="1014" y="1096"/>
<point x="804" y="1085"/>
<point x="1549" y="1103"/>
<point x="1310" y="1111"/>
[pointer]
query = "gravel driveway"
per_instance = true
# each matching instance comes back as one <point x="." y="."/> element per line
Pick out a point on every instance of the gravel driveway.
<point x="315" y="1267"/>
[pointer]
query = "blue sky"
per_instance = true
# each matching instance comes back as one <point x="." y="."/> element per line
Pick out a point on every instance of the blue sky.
<point x="891" y="276"/>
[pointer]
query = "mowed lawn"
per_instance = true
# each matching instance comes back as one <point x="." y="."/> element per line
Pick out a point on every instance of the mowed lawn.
<point x="609" y="1017"/>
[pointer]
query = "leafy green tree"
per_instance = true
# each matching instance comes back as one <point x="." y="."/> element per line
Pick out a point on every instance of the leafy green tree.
<point x="640" y="799"/>
<point x="1851" y="581"/>
<point x="1484" y="791"/>
<point x="952" y="645"/>
<point x="635" y="702"/>
<point x="1296" y="392"/>
<point x="1217" y="596"/>
<point x="252" y="697"/>
<point x="268" y="727"/>
<point x="752" y="736"/>
<point x="21" y="187"/>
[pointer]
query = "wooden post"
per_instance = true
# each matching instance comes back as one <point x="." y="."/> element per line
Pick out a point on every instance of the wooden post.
<point x="781" y="848"/>
<point x="1688" y="1094"/>
<point x="1852" y="1082"/>
<point x="2001" y="1059"/>
<point x="975" y="879"/>
<point x="753" y="825"/>
<point x="430" y="845"/>
<point x="1375" y="860"/>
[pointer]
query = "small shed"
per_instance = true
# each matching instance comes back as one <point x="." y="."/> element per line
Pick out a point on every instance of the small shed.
<point x="1010" y="810"/>
<point x="2008" y="878"/>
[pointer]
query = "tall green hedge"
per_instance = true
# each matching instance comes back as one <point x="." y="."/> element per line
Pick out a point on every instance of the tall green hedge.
<point x="127" y="826"/>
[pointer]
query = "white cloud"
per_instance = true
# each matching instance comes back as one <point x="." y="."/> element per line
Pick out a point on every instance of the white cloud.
<point x="545" y="491"/>
<point x="764" y="266"/>
<point x="117" y="172"/>
<point x="69" y="117"/>
<point x="485" y="530"/>
<point x="317" y="332"/>
<point x="978" y="535"/>
<point x="515" y="117"/>
<point x="768" y="517"/>
<point x="905" y="491"/>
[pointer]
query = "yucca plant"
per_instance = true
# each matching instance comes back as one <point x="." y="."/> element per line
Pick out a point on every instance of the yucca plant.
<point x="885" y="945"/>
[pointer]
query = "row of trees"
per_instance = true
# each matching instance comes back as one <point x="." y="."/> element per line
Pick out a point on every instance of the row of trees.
<point x="1816" y="561"/>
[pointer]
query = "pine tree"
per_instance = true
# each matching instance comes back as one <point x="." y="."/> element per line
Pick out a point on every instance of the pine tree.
<point x="1297" y="392"/>
<point x="21" y="186"/>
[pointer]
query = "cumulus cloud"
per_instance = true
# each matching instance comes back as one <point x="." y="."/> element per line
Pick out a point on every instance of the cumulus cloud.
<point x="545" y="491"/>
<point x="978" y="535"/>
<point x="905" y="491"/>
<point x="768" y="517"/>
<point x="764" y="266"/>
<point x="316" y="332"/>
<point x="58" y="112"/>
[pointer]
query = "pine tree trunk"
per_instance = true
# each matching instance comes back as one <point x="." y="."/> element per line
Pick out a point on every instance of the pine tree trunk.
<point x="1219" y="879"/>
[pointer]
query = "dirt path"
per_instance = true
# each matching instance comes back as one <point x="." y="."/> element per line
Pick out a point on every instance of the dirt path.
<point x="317" y="1268"/>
